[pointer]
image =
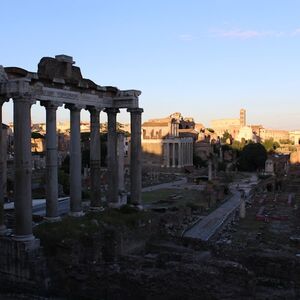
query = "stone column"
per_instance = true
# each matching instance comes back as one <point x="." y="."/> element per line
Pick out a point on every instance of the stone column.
<point x="95" y="157"/>
<point x="173" y="155"/>
<point x="120" y="156"/>
<point x="164" y="154"/>
<point x="191" y="153"/>
<point x="184" y="153"/>
<point x="168" y="154"/>
<point x="112" y="164"/>
<point x="221" y="154"/>
<point x="2" y="175"/>
<point x="182" y="156"/>
<point x="179" y="155"/>
<point x="136" y="154"/>
<point x="23" y="169"/>
<point x="210" y="169"/>
<point x="51" y="162"/>
<point x="75" y="162"/>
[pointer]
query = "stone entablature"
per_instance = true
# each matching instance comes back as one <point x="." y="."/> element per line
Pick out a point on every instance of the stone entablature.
<point x="57" y="82"/>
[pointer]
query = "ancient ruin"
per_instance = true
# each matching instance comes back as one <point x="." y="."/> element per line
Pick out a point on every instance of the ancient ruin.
<point x="58" y="82"/>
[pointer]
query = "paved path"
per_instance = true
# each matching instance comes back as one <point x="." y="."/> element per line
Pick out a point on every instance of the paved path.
<point x="207" y="227"/>
<point x="164" y="185"/>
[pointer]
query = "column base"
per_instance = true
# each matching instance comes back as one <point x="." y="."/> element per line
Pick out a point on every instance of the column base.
<point x="76" y="214"/>
<point x="52" y="219"/>
<point x="23" y="237"/>
<point x="3" y="230"/>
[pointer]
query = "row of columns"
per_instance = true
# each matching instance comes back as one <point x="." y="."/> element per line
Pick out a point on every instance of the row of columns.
<point x="23" y="168"/>
<point x="180" y="150"/>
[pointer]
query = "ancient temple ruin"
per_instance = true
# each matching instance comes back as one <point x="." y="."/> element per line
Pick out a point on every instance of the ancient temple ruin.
<point x="58" y="82"/>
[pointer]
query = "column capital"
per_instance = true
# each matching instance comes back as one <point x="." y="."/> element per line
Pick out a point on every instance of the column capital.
<point x="74" y="107"/>
<point x="50" y="104"/>
<point x="111" y="110"/>
<point x="92" y="109"/>
<point x="28" y="99"/>
<point x="135" y="110"/>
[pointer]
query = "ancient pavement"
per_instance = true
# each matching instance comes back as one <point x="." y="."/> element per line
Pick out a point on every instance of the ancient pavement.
<point x="164" y="185"/>
<point x="205" y="228"/>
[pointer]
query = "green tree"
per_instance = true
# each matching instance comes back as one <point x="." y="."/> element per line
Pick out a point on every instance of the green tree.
<point x="252" y="157"/>
<point x="270" y="145"/>
<point x="210" y="130"/>
<point x="226" y="136"/>
<point x="236" y="145"/>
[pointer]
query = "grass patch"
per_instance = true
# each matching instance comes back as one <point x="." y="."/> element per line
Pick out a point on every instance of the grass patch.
<point x="174" y="197"/>
<point x="83" y="228"/>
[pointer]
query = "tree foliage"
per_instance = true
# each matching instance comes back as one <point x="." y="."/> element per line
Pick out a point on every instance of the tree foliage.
<point x="226" y="136"/>
<point x="270" y="145"/>
<point x="252" y="157"/>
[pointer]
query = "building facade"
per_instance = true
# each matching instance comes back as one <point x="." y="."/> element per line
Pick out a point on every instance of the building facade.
<point x="162" y="145"/>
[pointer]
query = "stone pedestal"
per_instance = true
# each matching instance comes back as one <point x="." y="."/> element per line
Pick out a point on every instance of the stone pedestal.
<point x="135" y="155"/>
<point x="23" y="169"/>
<point x="75" y="163"/>
<point x="95" y="157"/>
<point x="112" y="163"/>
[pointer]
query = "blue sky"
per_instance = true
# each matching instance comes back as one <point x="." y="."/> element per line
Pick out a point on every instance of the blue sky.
<point x="206" y="59"/>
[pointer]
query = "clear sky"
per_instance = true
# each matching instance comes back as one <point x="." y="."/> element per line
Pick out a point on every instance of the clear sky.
<point x="203" y="58"/>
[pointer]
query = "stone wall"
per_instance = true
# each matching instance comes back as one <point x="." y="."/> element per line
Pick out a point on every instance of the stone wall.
<point x="22" y="266"/>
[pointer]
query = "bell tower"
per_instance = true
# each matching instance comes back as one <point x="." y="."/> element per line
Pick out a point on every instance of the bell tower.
<point x="242" y="117"/>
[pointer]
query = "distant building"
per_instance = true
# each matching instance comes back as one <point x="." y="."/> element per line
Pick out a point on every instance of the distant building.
<point x="294" y="137"/>
<point x="164" y="146"/>
<point x="233" y="126"/>
<point x="246" y="133"/>
<point x="276" y="135"/>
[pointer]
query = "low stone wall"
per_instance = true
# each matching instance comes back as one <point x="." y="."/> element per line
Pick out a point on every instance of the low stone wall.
<point x="22" y="266"/>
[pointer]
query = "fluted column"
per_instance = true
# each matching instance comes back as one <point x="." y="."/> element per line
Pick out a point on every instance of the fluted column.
<point x="23" y="168"/>
<point x="51" y="162"/>
<point x="95" y="157"/>
<point x="2" y="175"/>
<point x="135" y="155"/>
<point x="112" y="164"/>
<point x="75" y="162"/>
